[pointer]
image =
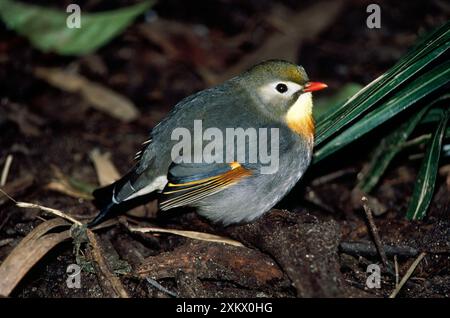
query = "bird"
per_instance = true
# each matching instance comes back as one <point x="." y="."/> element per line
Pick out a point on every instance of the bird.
<point x="273" y="97"/>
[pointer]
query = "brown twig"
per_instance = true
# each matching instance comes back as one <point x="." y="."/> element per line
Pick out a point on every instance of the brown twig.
<point x="28" y="205"/>
<point x="49" y="210"/>
<point x="5" y="220"/>
<point x="112" y="282"/>
<point x="369" y="249"/>
<point x="8" y="196"/>
<point x="374" y="230"/>
<point x="189" y="234"/>
<point x="28" y="252"/>
<point x="407" y="275"/>
<point x="396" y="271"/>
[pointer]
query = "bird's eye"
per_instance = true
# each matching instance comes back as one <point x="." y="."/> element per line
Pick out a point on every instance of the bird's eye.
<point x="281" y="88"/>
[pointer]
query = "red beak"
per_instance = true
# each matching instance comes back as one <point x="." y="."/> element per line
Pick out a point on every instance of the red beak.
<point x="314" y="86"/>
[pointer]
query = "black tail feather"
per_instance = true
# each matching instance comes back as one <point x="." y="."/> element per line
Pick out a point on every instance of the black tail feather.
<point x="103" y="196"/>
<point x="103" y="199"/>
<point x="101" y="215"/>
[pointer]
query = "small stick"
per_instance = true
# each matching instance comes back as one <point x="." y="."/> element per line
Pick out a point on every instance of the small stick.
<point x="407" y="275"/>
<point x="5" y="220"/>
<point x="49" y="210"/>
<point x="396" y="271"/>
<point x="53" y="211"/>
<point x="111" y="281"/>
<point x="8" y="196"/>
<point x="160" y="287"/>
<point x="374" y="230"/>
<point x="5" y="171"/>
<point x="365" y="248"/>
<point x="189" y="234"/>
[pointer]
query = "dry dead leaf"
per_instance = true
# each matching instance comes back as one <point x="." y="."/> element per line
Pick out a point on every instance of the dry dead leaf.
<point x="190" y="234"/>
<point x="37" y="243"/>
<point x="28" y="252"/>
<point x="67" y="189"/>
<point x="62" y="184"/>
<point x="97" y="95"/>
<point x="106" y="171"/>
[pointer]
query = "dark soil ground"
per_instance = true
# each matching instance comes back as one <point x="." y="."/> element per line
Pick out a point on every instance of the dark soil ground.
<point x="298" y="250"/>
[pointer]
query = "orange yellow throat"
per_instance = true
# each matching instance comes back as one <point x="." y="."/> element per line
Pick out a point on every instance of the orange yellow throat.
<point x="299" y="117"/>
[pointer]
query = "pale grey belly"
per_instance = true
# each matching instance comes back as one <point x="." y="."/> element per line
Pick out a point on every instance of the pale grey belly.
<point x="254" y="195"/>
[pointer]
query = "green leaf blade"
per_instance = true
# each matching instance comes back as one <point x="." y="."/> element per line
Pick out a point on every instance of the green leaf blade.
<point x="387" y="150"/>
<point x="424" y="188"/>
<point x="409" y="95"/>
<point x="429" y="49"/>
<point x="46" y="28"/>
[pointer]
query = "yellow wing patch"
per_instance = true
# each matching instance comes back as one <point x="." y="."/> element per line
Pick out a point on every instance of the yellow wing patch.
<point x="180" y="194"/>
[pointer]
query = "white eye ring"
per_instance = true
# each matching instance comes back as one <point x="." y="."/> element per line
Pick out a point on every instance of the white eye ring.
<point x="269" y="91"/>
